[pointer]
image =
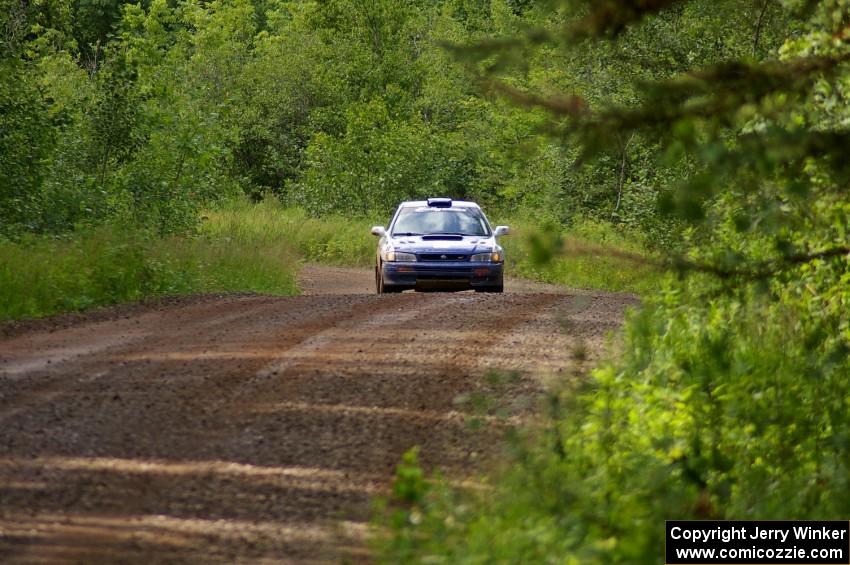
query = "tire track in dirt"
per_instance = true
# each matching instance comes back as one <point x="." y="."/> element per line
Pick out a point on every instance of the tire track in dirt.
<point x="256" y="429"/>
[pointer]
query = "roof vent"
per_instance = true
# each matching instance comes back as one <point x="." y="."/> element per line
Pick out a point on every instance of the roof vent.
<point x="440" y="202"/>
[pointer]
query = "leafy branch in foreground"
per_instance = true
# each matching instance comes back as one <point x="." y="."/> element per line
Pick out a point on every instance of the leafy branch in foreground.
<point x="724" y="119"/>
<point x="717" y="92"/>
<point x="711" y="93"/>
<point x="737" y="268"/>
<point x="611" y="17"/>
<point x="601" y="18"/>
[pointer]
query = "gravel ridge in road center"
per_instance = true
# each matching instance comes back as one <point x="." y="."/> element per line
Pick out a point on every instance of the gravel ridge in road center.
<point x="249" y="429"/>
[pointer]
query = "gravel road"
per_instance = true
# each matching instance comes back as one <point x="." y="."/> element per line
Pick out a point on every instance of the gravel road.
<point x="256" y="429"/>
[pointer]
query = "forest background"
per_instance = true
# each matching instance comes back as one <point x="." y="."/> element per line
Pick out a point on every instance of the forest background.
<point x="692" y="151"/>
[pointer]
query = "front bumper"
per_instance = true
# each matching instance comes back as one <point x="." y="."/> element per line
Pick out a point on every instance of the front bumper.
<point x="443" y="274"/>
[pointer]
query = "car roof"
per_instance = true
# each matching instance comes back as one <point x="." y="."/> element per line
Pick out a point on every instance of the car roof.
<point x="424" y="203"/>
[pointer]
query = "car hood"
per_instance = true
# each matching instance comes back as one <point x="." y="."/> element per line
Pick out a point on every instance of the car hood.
<point x="431" y="244"/>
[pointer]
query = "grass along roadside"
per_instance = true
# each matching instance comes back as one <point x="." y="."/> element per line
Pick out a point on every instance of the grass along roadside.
<point x="333" y="240"/>
<point x="40" y="277"/>
<point x="239" y="247"/>
<point x="242" y="246"/>
<point x="588" y="255"/>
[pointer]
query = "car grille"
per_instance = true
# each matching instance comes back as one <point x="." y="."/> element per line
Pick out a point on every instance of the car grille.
<point x="442" y="257"/>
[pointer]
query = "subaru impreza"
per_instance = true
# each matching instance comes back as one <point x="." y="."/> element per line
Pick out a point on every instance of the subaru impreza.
<point x="439" y="244"/>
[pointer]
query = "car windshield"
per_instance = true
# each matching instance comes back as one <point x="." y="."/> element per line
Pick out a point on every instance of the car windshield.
<point x="429" y="221"/>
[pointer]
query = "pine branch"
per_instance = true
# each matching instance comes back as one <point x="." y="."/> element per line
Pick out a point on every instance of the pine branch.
<point x="680" y="264"/>
<point x="763" y="270"/>
<point x="606" y="18"/>
<point x="609" y="18"/>
<point x="716" y="92"/>
<point x="709" y="93"/>
<point x="570" y="105"/>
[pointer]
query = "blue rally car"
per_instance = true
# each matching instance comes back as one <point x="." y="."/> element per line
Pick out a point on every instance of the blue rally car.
<point x="439" y="244"/>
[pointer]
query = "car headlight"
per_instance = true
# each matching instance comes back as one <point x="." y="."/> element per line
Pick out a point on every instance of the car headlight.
<point x="489" y="257"/>
<point x="394" y="256"/>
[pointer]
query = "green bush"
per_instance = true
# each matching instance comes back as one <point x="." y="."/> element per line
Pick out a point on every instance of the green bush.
<point x="738" y="410"/>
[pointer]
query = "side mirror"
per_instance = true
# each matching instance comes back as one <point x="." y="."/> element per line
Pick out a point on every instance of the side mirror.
<point x="501" y="230"/>
<point x="379" y="231"/>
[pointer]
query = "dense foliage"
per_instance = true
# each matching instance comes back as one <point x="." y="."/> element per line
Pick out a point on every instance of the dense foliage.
<point x="144" y="112"/>
<point x="729" y="398"/>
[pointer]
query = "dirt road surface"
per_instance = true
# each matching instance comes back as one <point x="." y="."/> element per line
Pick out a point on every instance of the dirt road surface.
<point x="256" y="429"/>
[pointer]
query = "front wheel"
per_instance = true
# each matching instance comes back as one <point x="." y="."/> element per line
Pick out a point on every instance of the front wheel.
<point x="382" y="288"/>
<point x="498" y="288"/>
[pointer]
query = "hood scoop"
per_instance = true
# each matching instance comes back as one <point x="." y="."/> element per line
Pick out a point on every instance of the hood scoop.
<point x="442" y="237"/>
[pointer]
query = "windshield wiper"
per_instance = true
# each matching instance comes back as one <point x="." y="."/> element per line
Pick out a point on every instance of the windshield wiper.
<point x="456" y="233"/>
<point x="405" y="233"/>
